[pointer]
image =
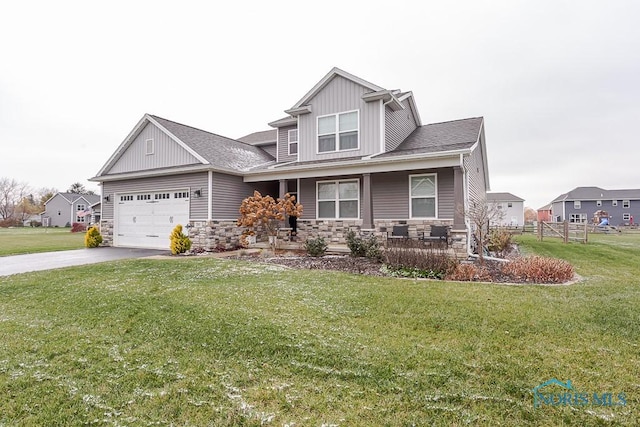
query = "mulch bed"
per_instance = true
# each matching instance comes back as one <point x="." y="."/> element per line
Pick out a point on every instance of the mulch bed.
<point x="343" y="263"/>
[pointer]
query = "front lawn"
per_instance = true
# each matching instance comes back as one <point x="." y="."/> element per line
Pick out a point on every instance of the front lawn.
<point x="28" y="240"/>
<point x="201" y="341"/>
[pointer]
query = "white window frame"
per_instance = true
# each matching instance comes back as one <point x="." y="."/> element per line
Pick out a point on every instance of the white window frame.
<point x="411" y="197"/>
<point x="337" y="132"/>
<point x="337" y="198"/>
<point x="578" y="218"/>
<point x="577" y="204"/>
<point x="626" y="216"/>
<point x="626" y="204"/>
<point x="80" y="207"/>
<point x="614" y="203"/>
<point x="509" y="204"/>
<point x="598" y="203"/>
<point x="290" y="142"/>
<point x="149" y="147"/>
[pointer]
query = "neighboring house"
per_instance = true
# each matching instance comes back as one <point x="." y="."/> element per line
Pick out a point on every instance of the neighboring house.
<point x="67" y="208"/>
<point x="581" y="203"/>
<point x="544" y="213"/>
<point x="356" y="155"/>
<point x="512" y="208"/>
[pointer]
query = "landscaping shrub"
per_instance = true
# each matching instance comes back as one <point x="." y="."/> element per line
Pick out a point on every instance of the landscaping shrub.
<point x="499" y="241"/>
<point x="537" y="269"/>
<point x="316" y="247"/>
<point x="180" y="243"/>
<point x="368" y="247"/>
<point x="92" y="238"/>
<point x="469" y="273"/>
<point x="406" y="257"/>
<point x="78" y="227"/>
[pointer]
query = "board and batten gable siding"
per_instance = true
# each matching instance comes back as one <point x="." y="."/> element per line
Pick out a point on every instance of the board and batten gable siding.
<point x="338" y="96"/>
<point x="283" y="145"/>
<point x="398" y="125"/>
<point x="390" y="193"/>
<point x="166" y="153"/>
<point x="229" y="191"/>
<point x="192" y="182"/>
<point x="58" y="204"/>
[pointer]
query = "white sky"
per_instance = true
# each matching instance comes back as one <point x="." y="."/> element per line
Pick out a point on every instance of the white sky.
<point x="558" y="82"/>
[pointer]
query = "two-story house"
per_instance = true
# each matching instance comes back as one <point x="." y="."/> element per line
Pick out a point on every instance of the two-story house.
<point x="512" y="208"/>
<point x="63" y="209"/>
<point x="581" y="203"/>
<point x="356" y="155"/>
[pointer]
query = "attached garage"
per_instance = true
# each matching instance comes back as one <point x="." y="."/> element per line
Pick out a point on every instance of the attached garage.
<point x="145" y="220"/>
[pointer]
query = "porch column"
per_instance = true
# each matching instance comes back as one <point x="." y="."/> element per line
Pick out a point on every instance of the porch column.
<point x="458" y="199"/>
<point x="367" y="202"/>
<point x="283" y="188"/>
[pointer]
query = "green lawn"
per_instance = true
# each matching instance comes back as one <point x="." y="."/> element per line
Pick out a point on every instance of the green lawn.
<point x="28" y="240"/>
<point x="201" y="341"/>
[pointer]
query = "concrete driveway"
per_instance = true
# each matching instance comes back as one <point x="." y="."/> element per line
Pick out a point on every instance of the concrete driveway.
<point x="50" y="260"/>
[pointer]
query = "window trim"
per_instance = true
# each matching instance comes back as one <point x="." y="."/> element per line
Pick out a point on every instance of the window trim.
<point x="628" y="216"/>
<point x="289" y="142"/>
<point x="149" y="147"/>
<point x="509" y="204"/>
<point x="626" y="204"/>
<point x="435" y="176"/>
<point x="614" y="203"/>
<point x="337" y="199"/>
<point x="598" y="203"/>
<point x="577" y="204"/>
<point x="581" y="216"/>
<point x="337" y="132"/>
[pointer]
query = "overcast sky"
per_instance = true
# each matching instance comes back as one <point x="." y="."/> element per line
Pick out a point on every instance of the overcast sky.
<point x="556" y="81"/>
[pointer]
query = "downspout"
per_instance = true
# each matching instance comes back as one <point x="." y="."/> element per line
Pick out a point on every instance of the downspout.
<point x="210" y="196"/>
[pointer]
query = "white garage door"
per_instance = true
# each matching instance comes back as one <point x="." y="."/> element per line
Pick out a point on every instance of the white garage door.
<point x="145" y="220"/>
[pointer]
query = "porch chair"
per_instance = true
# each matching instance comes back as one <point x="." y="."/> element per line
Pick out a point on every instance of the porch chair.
<point x="399" y="232"/>
<point x="438" y="234"/>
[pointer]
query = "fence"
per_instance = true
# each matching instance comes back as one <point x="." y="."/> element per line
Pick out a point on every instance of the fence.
<point x="567" y="231"/>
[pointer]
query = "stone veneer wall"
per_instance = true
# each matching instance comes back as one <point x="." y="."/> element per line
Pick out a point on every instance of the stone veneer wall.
<point x="212" y="235"/>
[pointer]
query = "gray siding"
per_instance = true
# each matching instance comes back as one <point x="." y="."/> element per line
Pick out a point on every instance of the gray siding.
<point x="556" y="211"/>
<point x="589" y="207"/>
<point x="229" y="191"/>
<point x="390" y="193"/>
<point x="283" y="145"/>
<point x="398" y="125"/>
<point x="474" y="167"/>
<point x="271" y="149"/>
<point x="192" y="182"/>
<point x="167" y="153"/>
<point x="338" y="96"/>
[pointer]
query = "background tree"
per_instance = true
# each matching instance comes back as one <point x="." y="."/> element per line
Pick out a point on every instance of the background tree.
<point x="530" y="215"/>
<point x="44" y="194"/>
<point x="11" y="194"/>
<point x="77" y="188"/>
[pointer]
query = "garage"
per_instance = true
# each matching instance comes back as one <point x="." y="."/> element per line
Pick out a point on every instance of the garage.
<point x="145" y="220"/>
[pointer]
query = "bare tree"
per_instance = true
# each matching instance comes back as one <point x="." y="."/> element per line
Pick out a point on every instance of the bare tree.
<point x="11" y="194"/>
<point x="530" y="215"/>
<point x="480" y="215"/>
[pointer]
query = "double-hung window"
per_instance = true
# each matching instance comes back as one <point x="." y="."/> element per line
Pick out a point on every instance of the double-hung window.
<point x="293" y="142"/>
<point x="339" y="199"/>
<point x="423" y="191"/>
<point x="338" y="132"/>
<point x="626" y="204"/>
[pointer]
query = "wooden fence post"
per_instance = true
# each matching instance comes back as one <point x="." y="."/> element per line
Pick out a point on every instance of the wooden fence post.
<point x="539" y="231"/>
<point x="586" y="233"/>
<point x="566" y="231"/>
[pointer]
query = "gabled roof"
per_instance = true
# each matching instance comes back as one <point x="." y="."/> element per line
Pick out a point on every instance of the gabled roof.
<point x="436" y="137"/>
<point x="215" y="151"/>
<point x="503" y="197"/>
<point x="546" y="207"/>
<point x="73" y="197"/>
<point x="335" y="71"/>
<point x="261" y="138"/>
<point x="597" y="193"/>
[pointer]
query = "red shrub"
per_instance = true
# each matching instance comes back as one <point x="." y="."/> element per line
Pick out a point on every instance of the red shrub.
<point x="78" y="227"/>
<point x="537" y="269"/>
<point x="469" y="273"/>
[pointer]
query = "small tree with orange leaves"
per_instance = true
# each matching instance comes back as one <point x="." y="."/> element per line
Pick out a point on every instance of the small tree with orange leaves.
<point x="266" y="212"/>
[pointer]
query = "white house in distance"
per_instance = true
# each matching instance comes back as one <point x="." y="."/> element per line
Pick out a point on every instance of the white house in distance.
<point x="512" y="206"/>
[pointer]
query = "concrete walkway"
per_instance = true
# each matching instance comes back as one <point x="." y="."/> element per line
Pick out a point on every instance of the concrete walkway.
<point x="17" y="264"/>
